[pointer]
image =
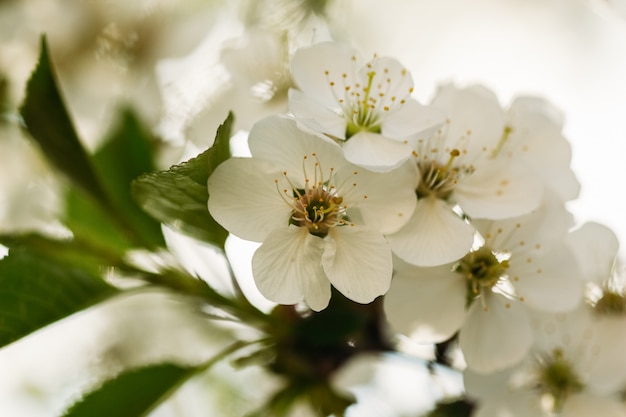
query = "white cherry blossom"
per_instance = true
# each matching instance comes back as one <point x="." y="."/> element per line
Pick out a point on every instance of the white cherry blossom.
<point x="523" y="264"/>
<point x="321" y="220"/>
<point x="596" y="249"/>
<point x="461" y="172"/>
<point x="565" y="374"/>
<point x="365" y="106"/>
<point x="596" y="246"/>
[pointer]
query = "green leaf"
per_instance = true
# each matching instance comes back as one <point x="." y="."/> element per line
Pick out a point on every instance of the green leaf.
<point x="4" y="97"/>
<point x="49" y="124"/>
<point x="132" y="394"/>
<point x="92" y="223"/>
<point x="121" y="224"/>
<point x="111" y="215"/>
<point x="36" y="291"/>
<point x="178" y="197"/>
<point x="136" y="393"/>
<point x="220" y="151"/>
<point x="127" y="154"/>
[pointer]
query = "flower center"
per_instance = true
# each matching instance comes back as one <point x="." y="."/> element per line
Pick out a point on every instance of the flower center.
<point x="364" y="102"/>
<point x="317" y="206"/>
<point x="557" y="378"/>
<point x="361" y="115"/>
<point x="482" y="269"/>
<point x="436" y="179"/>
<point x="317" y="209"/>
<point x="611" y="303"/>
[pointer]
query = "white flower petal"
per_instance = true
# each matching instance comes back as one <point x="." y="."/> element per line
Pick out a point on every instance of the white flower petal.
<point x="474" y="112"/>
<point x="243" y="198"/>
<point x="513" y="404"/>
<point x="568" y="332"/>
<point x="316" y="116"/>
<point x="549" y="283"/>
<point x="564" y="182"/>
<point x="391" y="83"/>
<point x="412" y="120"/>
<point x="434" y="235"/>
<point x="376" y="152"/>
<point x="239" y="253"/>
<point x="607" y="371"/>
<point x="358" y="262"/>
<point x="495" y="337"/>
<point x="499" y="189"/>
<point x="534" y="233"/>
<point x="586" y="404"/>
<point x="481" y="386"/>
<point x="426" y="304"/>
<point x="385" y="201"/>
<point x="528" y="110"/>
<point x="288" y="264"/>
<point x="314" y="68"/>
<point x="317" y="290"/>
<point x="253" y="57"/>
<point x="592" y="344"/>
<point x="595" y="248"/>
<point x="278" y="139"/>
<point x="536" y="140"/>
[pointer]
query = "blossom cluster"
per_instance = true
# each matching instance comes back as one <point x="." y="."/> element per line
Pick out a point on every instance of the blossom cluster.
<point x="408" y="247"/>
<point x="454" y="211"/>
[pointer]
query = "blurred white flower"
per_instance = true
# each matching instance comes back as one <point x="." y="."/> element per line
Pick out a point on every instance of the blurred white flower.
<point x="460" y="172"/>
<point x="564" y="374"/>
<point x="320" y="218"/>
<point x="523" y="263"/>
<point x="596" y="247"/>
<point x="190" y="83"/>
<point x="365" y="106"/>
<point x="241" y="65"/>
<point x="391" y="385"/>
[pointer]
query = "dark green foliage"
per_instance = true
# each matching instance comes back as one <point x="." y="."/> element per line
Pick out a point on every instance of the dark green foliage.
<point x="178" y="197"/>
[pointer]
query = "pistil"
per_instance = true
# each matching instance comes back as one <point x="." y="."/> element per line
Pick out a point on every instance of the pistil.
<point x="482" y="270"/>
<point x="316" y="206"/>
<point x="436" y="179"/>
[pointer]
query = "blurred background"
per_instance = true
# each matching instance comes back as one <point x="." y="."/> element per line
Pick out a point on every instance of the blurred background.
<point x="183" y="64"/>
